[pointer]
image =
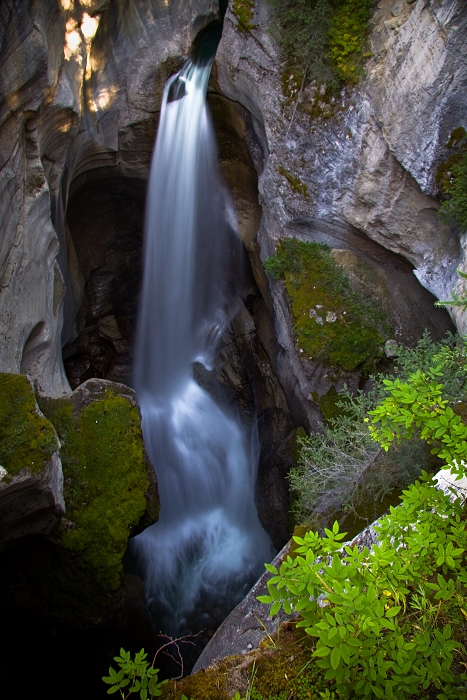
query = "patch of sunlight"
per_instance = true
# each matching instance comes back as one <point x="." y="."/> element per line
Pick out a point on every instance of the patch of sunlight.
<point x="89" y="26"/>
<point x="105" y="97"/>
<point x="72" y="40"/>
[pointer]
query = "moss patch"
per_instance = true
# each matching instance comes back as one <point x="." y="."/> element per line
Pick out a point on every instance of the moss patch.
<point x="105" y="481"/>
<point x="347" y="38"/>
<point x="332" y="322"/>
<point x="27" y="439"/>
<point x="295" y="183"/>
<point x="276" y="671"/>
<point x="244" y="10"/>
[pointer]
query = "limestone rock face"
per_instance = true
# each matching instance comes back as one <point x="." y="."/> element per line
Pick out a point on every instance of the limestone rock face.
<point x="365" y="170"/>
<point x="31" y="504"/>
<point x="81" y="85"/>
<point x="74" y="80"/>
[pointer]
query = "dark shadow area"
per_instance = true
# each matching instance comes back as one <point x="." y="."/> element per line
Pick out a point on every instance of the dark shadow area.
<point x="105" y="218"/>
<point x="45" y="655"/>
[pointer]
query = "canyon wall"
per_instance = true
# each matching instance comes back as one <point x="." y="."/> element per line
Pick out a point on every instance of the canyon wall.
<point x="80" y="90"/>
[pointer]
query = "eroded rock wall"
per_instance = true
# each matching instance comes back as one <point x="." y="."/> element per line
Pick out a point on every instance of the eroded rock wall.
<point x="80" y="88"/>
<point x="364" y="166"/>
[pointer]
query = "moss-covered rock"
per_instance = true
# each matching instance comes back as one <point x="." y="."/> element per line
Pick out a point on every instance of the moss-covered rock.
<point x="108" y="484"/>
<point x="244" y="11"/>
<point x="280" y="669"/>
<point x="333" y="322"/>
<point x="27" y="439"/>
<point x="31" y="480"/>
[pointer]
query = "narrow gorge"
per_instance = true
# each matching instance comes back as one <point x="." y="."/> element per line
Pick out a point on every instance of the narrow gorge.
<point x="203" y="244"/>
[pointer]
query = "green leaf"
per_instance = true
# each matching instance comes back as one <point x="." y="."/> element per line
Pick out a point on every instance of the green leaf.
<point x="264" y="599"/>
<point x="275" y="607"/>
<point x="322" y="651"/>
<point x="335" y="657"/>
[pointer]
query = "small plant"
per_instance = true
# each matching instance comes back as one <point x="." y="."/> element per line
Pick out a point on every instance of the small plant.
<point x="460" y="302"/>
<point x="323" y="40"/>
<point x="417" y="407"/>
<point x="135" y="676"/>
<point x="454" y="185"/>
<point x="244" y="11"/>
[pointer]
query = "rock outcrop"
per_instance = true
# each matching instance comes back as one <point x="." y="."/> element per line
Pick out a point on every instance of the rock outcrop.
<point x="110" y="493"/>
<point x="359" y="167"/>
<point x="31" y="478"/>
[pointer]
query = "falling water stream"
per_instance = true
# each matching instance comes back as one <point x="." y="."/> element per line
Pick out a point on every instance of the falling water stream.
<point x="208" y="546"/>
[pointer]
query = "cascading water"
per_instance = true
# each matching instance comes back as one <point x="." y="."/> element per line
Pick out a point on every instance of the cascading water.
<point x="208" y="546"/>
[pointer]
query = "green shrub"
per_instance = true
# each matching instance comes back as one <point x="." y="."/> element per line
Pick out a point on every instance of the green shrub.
<point x="387" y="622"/>
<point x="417" y="407"/>
<point x="341" y="469"/>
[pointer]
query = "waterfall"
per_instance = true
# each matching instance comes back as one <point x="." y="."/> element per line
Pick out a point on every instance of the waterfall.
<point x="208" y="546"/>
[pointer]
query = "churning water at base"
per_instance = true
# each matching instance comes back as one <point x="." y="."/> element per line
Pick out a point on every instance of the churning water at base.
<point x="208" y="546"/>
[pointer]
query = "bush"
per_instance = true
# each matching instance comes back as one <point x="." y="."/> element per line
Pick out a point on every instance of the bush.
<point x="342" y="469"/>
<point x="454" y="184"/>
<point x="389" y="621"/>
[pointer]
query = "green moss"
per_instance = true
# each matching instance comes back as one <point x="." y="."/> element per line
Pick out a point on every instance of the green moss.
<point x="278" y="673"/>
<point x="105" y="481"/>
<point x="27" y="439"/>
<point x="332" y="322"/>
<point x="295" y="183"/>
<point x="244" y="10"/>
<point x="457" y="137"/>
<point x="444" y="172"/>
<point x="324" y="104"/>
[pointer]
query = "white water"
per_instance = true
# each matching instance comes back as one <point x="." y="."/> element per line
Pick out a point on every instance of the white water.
<point x="208" y="546"/>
